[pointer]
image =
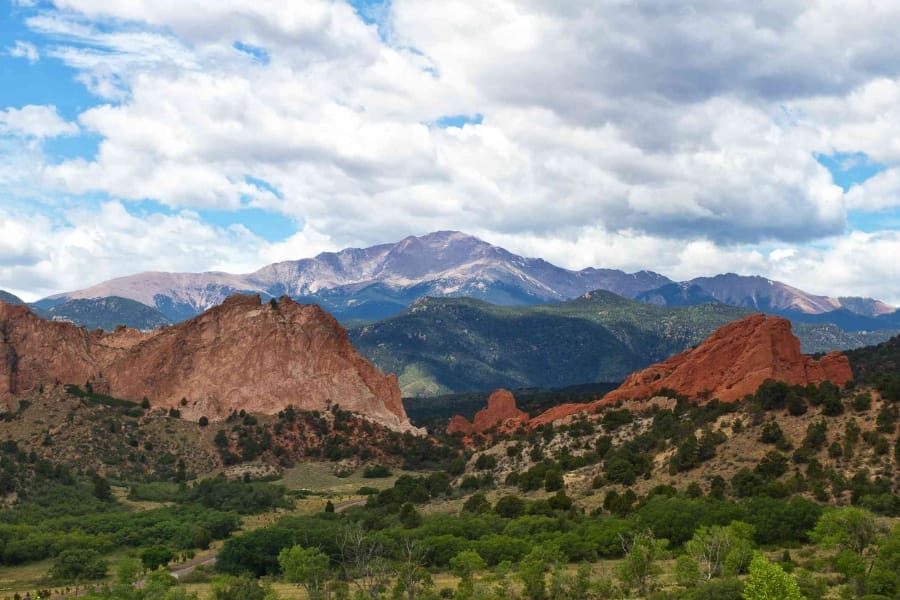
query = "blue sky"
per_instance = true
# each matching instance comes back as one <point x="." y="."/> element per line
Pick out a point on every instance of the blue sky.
<point x="263" y="133"/>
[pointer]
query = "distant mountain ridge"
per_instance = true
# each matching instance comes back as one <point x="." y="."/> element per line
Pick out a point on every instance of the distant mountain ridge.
<point x="107" y="314"/>
<point x="383" y="280"/>
<point x="446" y="345"/>
<point x="10" y="298"/>
<point x="376" y="282"/>
<point x="769" y="296"/>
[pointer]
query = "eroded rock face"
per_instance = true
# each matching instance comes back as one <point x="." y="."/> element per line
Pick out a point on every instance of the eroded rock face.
<point x="242" y="354"/>
<point x="734" y="361"/>
<point x="501" y="411"/>
<point x="729" y="364"/>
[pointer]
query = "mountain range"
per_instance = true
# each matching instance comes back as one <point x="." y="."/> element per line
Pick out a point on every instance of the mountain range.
<point x="447" y="345"/>
<point x="381" y="281"/>
<point x="106" y="313"/>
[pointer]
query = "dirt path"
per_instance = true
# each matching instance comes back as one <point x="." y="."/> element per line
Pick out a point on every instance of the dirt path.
<point x="340" y="506"/>
<point x="184" y="568"/>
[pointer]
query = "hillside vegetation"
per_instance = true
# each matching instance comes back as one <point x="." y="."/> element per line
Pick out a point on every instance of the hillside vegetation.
<point x="107" y="313"/>
<point x="444" y="345"/>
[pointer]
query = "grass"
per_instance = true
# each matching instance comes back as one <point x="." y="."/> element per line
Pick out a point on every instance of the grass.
<point x="23" y="577"/>
<point x="320" y="478"/>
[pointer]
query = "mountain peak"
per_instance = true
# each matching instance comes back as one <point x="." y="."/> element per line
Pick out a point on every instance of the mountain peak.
<point x="378" y="281"/>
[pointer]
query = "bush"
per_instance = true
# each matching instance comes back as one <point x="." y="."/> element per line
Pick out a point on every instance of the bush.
<point x="796" y="405"/>
<point x="862" y="402"/>
<point x="510" y="507"/>
<point x="485" y="462"/>
<point x="78" y="564"/>
<point x="620" y="470"/>
<point x="376" y="472"/>
<point x="156" y="556"/>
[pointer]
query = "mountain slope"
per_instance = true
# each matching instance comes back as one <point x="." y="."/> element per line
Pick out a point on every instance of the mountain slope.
<point x="448" y="345"/>
<point x="107" y="313"/>
<point x="454" y="345"/>
<point x="381" y="281"/>
<point x="759" y="293"/>
<point x="10" y="298"/>
<point x="376" y="282"/>
<point x="879" y="360"/>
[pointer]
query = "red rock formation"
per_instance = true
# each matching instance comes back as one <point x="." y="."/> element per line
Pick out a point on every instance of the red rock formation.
<point x="563" y="411"/>
<point x="729" y="364"/>
<point x="501" y="411"/>
<point x="734" y="361"/>
<point x="240" y="355"/>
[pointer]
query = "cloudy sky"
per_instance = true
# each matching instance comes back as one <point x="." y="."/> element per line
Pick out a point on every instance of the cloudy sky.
<point x="687" y="138"/>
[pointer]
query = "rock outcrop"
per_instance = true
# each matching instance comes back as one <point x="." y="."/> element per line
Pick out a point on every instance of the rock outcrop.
<point x="242" y="354"/>
<point x="728" y="365"/>
<point x="501" y="412"/>
<point x="734" y="361"/>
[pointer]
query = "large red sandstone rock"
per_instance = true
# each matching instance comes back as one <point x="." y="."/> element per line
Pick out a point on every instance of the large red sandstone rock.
<point x="240" y="355"/>
<point x="729" y="364"/>
<point x="501" y="411"/>
<point x="734" y="361"/>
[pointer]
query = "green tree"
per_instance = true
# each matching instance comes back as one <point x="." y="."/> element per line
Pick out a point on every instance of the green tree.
<point x="531" y="574"/>
<point x="308" y="567"/>
<point x="156" y="556"/>
<point x="477" y="503"/>
<point x="510" y="507"/>
<point x="553" y="479"/>
<point x="714" y="547"/>
<point x="409" y="516"/>
<point x="78" y="564"/>
<point x="768" y="581"/>
<point x="687" y="571"/>
<point x="847" y="528"/>
<point x="412" y="577"/>
<point x="464" y="565"/>
<point x="157" y="585"/>
<point x="102" y="489"/>
<point x="884" y="577"/>
<point x="642" y="551"/>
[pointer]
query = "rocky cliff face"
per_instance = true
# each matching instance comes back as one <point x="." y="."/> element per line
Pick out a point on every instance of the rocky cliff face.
<point x="734" y="361"/>
<point x="729" y="364"/>
<point x="501" y="411"/>
<point x="241" y="355"/>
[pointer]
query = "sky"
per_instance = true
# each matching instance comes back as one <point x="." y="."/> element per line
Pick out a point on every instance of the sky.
<point x="687" y="138"/>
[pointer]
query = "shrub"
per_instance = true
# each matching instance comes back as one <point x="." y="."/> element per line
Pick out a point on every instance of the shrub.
<point x="376" y="472"/>
<point x="78" y="564"/>
<point x="862" y="402"/>
<point x="485" y="462"/>
<point x="510" y="507"/>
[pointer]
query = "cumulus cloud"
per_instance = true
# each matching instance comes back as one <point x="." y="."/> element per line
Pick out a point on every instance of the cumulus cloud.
<point x="643" y="135"/>
<point x="87" y="245"/>
<point x="35" y="122"/>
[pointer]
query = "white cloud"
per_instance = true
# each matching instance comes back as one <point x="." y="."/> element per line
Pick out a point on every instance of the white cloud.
<point x="35" y="122"/>
<point x="84" y="246"/>
<point x="25" y="50"/>
<point x="859" y="264"/>
<point x="640" y="135"/>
